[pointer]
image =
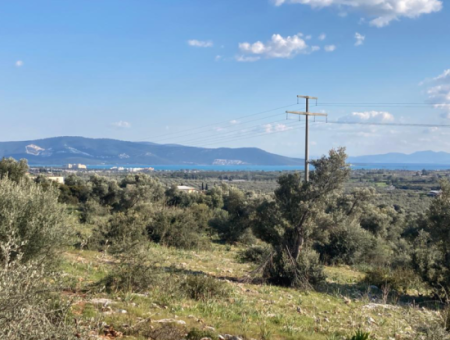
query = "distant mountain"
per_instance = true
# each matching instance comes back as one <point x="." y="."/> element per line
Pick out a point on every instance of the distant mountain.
<point x="64" y="150"/>
<point x="422" y="157"/>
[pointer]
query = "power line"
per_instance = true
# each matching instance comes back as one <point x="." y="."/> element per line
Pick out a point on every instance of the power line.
<point x="388" y="124"/>
<point x="222" y="122"/>
<point x="380" y="103"/>
<point x="260" y="134"/>
<point x="237" y="126"/>
<point x="239" y="134"/>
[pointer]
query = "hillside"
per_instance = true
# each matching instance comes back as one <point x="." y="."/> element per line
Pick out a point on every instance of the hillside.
<point x="63" y="150"/>
<point x="252" y="311"/>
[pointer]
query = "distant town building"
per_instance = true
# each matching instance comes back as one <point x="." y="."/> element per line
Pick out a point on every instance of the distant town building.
<point x="76" y="166"/>
<point x="131" y="169"/>
<point x="57" y="179"/>
<point x="187" y="189"/>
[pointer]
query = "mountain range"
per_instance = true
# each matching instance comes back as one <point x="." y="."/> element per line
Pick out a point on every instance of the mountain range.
<point x="419" y="157"/>
<point x="89" y="151"/>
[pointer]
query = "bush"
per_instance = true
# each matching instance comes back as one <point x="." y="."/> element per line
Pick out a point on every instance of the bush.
<point x="15" y="171"/>
<point x="177" y="228"/>
<point x="303" y="273"/>
<point x="204" y="288"/>
<point x="28" y="307"/>
<point x="254" y="254"/>
<point x="400" y="279"/>
<point x="133" y="273"/>
<point x="35" y="217"/>
<point x="360" y="335"/>
<point x="346" y="244"/>
<point x="93" y="213"/>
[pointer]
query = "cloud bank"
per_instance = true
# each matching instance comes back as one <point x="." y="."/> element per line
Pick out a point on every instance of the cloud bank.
<point x="382" y="12"/>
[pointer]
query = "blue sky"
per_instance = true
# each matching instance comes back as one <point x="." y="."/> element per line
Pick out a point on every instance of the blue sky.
<point x="161" y="70"/>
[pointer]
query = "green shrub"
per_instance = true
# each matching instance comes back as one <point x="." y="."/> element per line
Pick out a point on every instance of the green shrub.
<point x="35" y="217"/>
<point x="177" y="228"/>
<point x="30" y="305"/>
<point x="254" y="254"/>
<point x="346" y="244"/>
<point x="204" y="288"/>
<point x="400" y="279"/>
<point x="303" y="273"/>
<point x="134" y="272"/>
<point x="15" y="171"/>
<point x="360" y="335"/>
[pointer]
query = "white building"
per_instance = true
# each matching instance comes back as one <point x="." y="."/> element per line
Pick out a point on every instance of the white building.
<point x="76" y="166"/>
<point x="187" y="189"/>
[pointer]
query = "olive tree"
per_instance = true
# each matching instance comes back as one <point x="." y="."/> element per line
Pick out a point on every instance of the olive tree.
<point x="431" y="257"/>
<point x="288" y="221"/>
<point x="15" y="171"/>
<point x="33" y="215"/>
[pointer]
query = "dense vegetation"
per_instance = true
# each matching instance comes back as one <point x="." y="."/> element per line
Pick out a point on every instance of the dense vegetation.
<point x="287" y="236"/>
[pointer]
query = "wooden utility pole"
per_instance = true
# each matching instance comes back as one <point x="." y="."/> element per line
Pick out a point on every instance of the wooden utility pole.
<point x="307" y="114"/>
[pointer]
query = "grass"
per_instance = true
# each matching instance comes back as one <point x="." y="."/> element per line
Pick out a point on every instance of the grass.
<point x="340" y="307"/>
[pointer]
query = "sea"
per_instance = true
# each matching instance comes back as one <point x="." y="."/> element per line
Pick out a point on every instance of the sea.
<point x="268" y="168"/>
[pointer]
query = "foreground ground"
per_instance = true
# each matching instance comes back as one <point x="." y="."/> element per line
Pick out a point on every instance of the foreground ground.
<point x="255" y="311"/>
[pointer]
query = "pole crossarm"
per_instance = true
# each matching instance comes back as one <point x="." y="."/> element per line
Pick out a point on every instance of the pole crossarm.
<point x="307" y="97"/>
<point x="307" y="113"/>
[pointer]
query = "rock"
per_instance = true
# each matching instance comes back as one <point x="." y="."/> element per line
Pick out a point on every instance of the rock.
<point x="122" y="311"/>
<point x="104" y="302"/>
<point x="110" y="333"/>
<point x="326" y="320"/>
<point x="227" y="336"/>
<point x="299" y="310"/>
<point x="370" y="320"/>
<point x="209" y="328"/>
<point x="205" y="338"/>
<point x="373" y="287"/>
<point x="179" y="322"/>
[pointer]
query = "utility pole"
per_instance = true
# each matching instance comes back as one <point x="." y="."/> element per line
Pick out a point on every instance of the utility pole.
<point x="307" y="114"/>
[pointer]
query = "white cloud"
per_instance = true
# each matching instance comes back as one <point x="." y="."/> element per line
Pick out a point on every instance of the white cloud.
<point x="121" y="125"/>
<point x="382" y="12"/>
<point x="368" y="117"/>
<point x="199" y="43"/>
<point x="439" y="92"/>
<point x="270" y="128"/>
<point x="330" y="48"/>
<point x="277" y="47"/>
<point x="218" y="58"/>
<point x="19" y="63"/>
<point x="234" y="121"/>
<point x="245" y="59"/>
<point x="359" y="39"/>
<point x="323" y="36"/>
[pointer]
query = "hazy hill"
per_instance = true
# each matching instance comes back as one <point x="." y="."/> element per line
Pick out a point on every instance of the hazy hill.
<point x="63" y="150"/>
<point x="423" y="157"/>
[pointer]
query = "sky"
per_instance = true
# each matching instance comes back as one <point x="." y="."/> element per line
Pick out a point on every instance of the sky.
<point x="222" y="73"/>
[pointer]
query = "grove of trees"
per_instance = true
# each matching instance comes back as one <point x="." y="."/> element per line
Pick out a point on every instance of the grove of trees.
<point x="290" y="234"/>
